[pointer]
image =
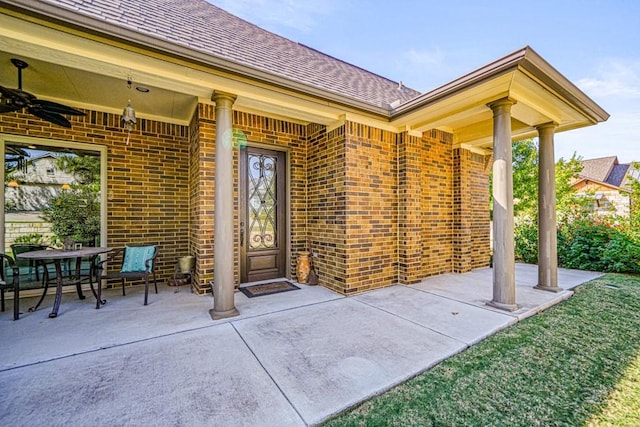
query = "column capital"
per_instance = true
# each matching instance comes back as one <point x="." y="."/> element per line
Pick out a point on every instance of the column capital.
<point x="547" y="125"/>
<point x="503" y="102"/>
<point x="221" y="97"/>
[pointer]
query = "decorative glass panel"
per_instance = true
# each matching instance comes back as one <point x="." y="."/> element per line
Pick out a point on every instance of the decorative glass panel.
<point x="262" y="201"/>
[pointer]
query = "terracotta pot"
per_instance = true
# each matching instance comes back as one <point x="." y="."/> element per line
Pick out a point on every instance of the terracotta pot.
<point x="303" y="267"/>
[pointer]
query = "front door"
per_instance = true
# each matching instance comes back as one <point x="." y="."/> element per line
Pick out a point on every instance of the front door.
<point x="262" y="214"/>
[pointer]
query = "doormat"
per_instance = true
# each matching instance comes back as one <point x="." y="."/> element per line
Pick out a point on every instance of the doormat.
<point x="268" y="289"/>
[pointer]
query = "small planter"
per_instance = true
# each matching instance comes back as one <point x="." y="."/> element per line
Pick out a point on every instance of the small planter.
<point x="186" y="264"/>
<point x="303" y="267"/>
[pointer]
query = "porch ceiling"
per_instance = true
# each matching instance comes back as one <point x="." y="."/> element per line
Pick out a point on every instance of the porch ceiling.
<point x="90" y="71"/>
<point x="541" y="95"/>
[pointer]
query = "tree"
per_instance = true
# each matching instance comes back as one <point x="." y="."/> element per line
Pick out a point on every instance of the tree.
<point x="75" y="212"/>
<point x="525" y="182"/>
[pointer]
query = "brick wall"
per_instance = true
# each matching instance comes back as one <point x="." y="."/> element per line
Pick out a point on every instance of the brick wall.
<point x="202" y="131"/>
<point x="147" y="188"/>
<point x="410" y="209"/>
<point x="326" y="204"/>
<point x="437" y="203"/>
<point x="266" y="132"/>
<point x="371" y="188"/>
<point x="379" y="207"/>
<point x="471" y="247"/>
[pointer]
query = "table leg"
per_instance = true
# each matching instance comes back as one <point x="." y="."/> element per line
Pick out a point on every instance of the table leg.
<point x="78" y="279"/>
<point x="59" y="278"/>
<point x="97" y="270"/>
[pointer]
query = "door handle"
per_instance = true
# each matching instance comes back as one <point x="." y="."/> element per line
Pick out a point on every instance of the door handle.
<point x="242" y="234"/>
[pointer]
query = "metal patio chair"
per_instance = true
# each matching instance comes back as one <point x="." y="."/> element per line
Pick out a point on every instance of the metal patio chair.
<point x="137" y="262"/>
<point x="14" y="284"/>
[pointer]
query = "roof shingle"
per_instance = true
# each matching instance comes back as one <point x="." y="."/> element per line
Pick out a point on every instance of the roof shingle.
<point x="203" y="27"/>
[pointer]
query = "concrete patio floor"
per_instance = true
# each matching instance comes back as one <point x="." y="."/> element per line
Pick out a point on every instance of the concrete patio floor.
<point x="290" y="359"/>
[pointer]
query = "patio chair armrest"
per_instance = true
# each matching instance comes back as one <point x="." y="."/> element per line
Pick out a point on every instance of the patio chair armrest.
<point x="12" y="264"/>
<point x="148" y="263"/>
<point x="111" y="256"/>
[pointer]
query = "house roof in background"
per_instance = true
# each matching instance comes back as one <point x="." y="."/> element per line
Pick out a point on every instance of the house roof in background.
<point x="598" y="169"/>
<point x="607" y="170"/>
<point x="201" y="26"/>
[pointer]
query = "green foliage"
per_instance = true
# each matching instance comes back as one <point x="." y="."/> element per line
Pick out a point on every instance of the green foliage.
<point x="526" y="239"/>
<point x="599" y="245"/>
<point x="86" y="169"/>
<point x="525" y="182"/>
<point x="32" y="239"/>
<point x="74" y="213"/>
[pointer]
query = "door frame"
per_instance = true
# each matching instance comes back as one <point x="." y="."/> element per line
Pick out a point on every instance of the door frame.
<point x="287" y="195"/>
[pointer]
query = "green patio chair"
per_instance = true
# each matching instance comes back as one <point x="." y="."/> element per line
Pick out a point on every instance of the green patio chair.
<point x="8" y="264"/>
<point x="137" y="262"/>
<point x="20" y="248"/>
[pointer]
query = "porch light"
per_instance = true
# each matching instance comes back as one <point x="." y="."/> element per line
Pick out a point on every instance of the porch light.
<point x="66" y="187"/>
<point x="13" y="183"/>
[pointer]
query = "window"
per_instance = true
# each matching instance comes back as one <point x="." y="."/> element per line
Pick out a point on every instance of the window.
<point x="80" y="168"/>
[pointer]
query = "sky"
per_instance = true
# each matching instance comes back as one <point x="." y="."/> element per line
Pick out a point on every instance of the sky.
<point x="424" y="44"/>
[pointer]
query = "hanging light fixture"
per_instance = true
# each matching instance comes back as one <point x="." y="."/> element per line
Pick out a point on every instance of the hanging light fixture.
<point x="128" y="118"/>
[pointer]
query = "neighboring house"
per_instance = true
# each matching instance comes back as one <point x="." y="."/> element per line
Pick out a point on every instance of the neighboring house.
<point x="34" y="186"/>
<point x="608" y="182"/>
<point x="248" y="145"/>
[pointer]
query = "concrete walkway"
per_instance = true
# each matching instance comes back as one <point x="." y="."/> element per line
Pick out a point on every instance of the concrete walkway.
<point x="290" y="359"/>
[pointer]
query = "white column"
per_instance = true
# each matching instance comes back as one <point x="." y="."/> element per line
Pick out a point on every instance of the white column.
<point x="504" y="286"/>
<point x="547" y="227"/>
<point x="223" y="280"/>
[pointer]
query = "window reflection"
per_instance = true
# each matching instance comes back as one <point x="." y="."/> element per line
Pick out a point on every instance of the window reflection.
<point x="52" y="193"/>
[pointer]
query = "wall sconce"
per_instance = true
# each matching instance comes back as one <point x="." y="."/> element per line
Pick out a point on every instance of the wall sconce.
<point x="66" y="187"/>
<point x="13" y="183"/>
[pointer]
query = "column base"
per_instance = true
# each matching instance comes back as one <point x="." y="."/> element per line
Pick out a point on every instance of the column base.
<point x="503" y="306"/>
<point x="548" y="288"/>
<point x="217" y="315"/>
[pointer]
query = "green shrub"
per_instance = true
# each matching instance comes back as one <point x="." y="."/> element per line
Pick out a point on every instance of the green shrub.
<point x="597" y="244"/>
<point x="33" y="239"/>
<point x="526" y="240"/>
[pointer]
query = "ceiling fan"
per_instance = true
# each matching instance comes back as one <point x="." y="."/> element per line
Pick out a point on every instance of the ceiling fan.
<point x="17" y="99"/>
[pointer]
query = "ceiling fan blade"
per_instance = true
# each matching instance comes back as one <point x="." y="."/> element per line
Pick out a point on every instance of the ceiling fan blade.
<point x="7" y="107"/>
<point x="54" y="107"/>
<point x="12" y="99"/>
<point x="54" y="118"/>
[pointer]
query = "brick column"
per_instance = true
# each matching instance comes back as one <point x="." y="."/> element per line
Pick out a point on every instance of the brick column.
<point x="410" y="200"/>
<point x="462" y="213"/>
<point x="223" y="230"/>
<point x="504" y="284"/>
<point x="547" y="228"/>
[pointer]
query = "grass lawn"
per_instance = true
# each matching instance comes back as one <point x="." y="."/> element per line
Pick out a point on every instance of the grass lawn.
<point x="575" y="364"/>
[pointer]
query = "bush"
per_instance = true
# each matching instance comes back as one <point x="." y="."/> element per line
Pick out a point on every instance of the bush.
<point x="599" y="245"/>
<point x="596" y="244"/>
<point x="526" y="240"/>
<point x="33" y="238"/>
<point x="74" y="213"/>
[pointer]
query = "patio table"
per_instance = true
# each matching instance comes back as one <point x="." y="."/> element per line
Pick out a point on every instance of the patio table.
<point x="59" y="255"/>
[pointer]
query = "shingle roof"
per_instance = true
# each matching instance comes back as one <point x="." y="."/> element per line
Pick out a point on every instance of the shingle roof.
<point x="203" y="27"/>
<point x="607" y="170"/>
<point x="598" y="169"/>
<point x="616" y="177"/>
